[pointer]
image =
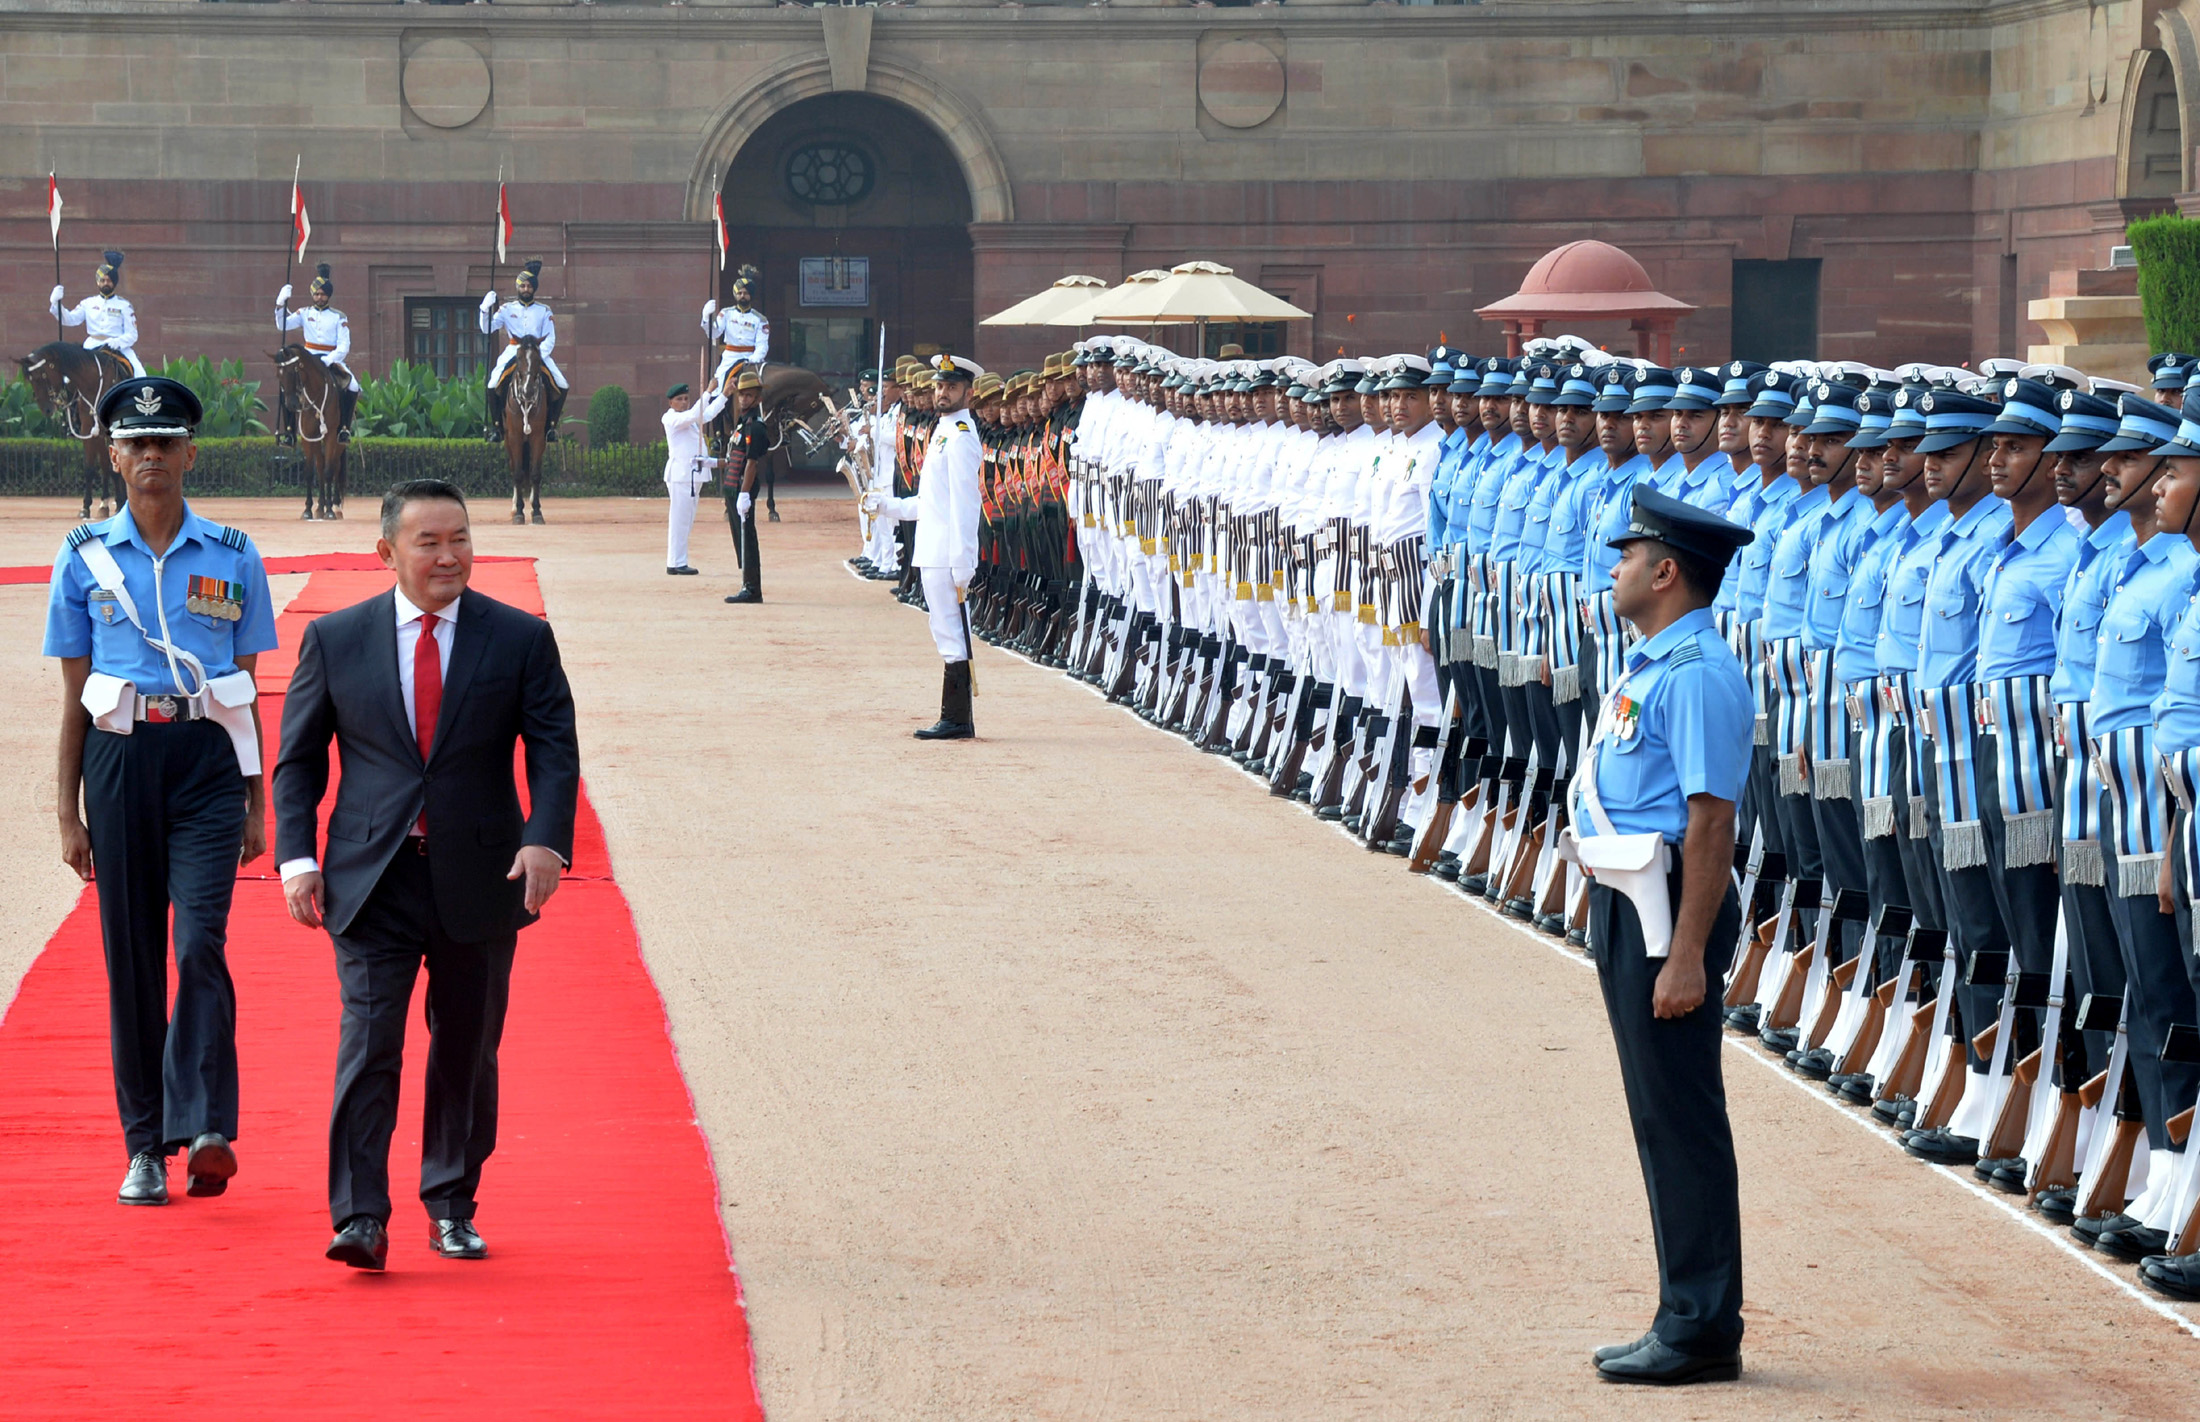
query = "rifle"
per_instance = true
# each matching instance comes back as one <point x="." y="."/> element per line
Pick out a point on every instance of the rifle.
<point x="1455" y="747"/>
<point x="2101" y="1188"/>
<point x="1762" y="908"/>
<point x="1495" y="816"/>
<point x="1528" y="846"/>
<point x="1823" y="1003"/>
<point x="1393" y="766"/>
<point x="1786" y="996"/>
<point x="1803" y="895"/>
<point x="1864" y="1017"/>
<point x="1913" y="1043"/>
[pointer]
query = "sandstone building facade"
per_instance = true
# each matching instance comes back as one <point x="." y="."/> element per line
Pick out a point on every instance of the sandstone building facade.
<point x="1879" y="179"/>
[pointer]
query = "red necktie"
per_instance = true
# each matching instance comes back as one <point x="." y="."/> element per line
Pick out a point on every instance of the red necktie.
<point x="427" y="684"/>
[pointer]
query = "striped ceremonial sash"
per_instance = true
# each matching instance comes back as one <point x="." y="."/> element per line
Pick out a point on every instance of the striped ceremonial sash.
<point x="2125" y="762"/>
<point x="1872" y="732"/>
<point x="2081" y="799"/>
<point x="1789" y="711"/>
<point x="1559" y="601"/>
<point x="2181" y="772"/>
<point x="1611" y="639"/>
<point x="1485" y="604"/>
<point x="1953" y="713"/>
<point x="1508" y="623"/>
<point x="2020" y="714"/>
<point x="1749" y="645"/>
<point x="1832" y="771"/>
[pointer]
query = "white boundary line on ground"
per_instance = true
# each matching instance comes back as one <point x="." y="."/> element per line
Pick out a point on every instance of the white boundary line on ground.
<point x="1565" y="951"/>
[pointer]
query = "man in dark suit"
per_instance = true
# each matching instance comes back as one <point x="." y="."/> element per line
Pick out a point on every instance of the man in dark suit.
<point x="428" y="858"/>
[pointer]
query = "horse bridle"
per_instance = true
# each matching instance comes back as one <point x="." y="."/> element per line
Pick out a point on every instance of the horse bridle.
<point x="319" y="407"/>
<point x="525" y="380"/>
<point x="68" y="406"/>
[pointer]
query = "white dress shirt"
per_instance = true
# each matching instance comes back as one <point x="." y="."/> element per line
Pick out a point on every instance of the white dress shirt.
<point x="408" y="645"/>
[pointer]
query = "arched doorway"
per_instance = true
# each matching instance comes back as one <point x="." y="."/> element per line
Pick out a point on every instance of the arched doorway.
<point x="856" y="212"/>
<point x="2153" y="157"/>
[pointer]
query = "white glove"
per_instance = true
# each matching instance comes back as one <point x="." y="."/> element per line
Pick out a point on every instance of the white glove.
<point x="743" y="504"/>
<point x="488" y="301"/>
<point x="870" y="503"/>
<point x="710" y="309"/>
<point x="282" y="298"/>
<point x="55" y="299"/>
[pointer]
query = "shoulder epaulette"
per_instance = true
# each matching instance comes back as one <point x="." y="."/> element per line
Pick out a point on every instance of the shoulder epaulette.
<point x="962" y="424"/>
<point x="1687" y="651"/>
<point x="234" y="537"/>
<point x="82" y="534"/>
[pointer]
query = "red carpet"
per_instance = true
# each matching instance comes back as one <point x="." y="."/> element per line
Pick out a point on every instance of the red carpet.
<point x="610" y="1293"/>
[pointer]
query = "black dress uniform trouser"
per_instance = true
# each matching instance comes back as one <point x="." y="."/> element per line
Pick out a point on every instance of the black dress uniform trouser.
<point x="165" y="807"/>
<point x="1676" y="1100"/>
<point x="469" y="984"/>
<point x="2158" y="987"/>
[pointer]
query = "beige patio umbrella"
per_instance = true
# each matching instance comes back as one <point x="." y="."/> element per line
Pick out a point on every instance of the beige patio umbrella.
<point x="1194" y="293"/>
<point x="1081" y="314"/>
<point x="1034" y="310"/>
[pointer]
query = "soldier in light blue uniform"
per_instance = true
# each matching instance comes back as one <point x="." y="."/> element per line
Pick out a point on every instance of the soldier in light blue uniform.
<point x="2130" y="669"/>
<point x="1787" y="599"/>
<point x="1697" y="472"/>
<point x="158" y="617"/>
<point x="1957" y="468"/>
<point x="2177" y="744"/>
<point x="1666" y="765"/>
<point x="1564" y="545"/>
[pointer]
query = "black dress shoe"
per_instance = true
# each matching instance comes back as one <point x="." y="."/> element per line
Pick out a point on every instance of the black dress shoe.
<point x="2176" y="1275"/>
<point x="1817" y="1064"/>
<point x="684" y="572"/>
<point x="2058" y="1206"/>
<point x="1612" y="1352"/>
<point x="362" y="1243"/>
<point x="1942" y="1147"/>
<point x="1474" y="883"/>
<point x="1659" y="1366"/>
<point x="210" y="1165"/>
<point x="2133" y="1244"/>
<point x="1449" y="873"/>
<point x="1331" y="813"/>
<point x="2088" y="1231"/>
<point x="1888" y="1110"/>
<point x="146" y="1183"/>
<point x="1552" y="923"/>
<point x="1988" y="1165"/>
<point x="1744" y="1019"/>
<point x="2009" y="1176"/>
<point x="746" y="595"/>
<point x="1778" y="1039"/>
<point x="456" y="1239"/>
<point x="1579" y="937"/>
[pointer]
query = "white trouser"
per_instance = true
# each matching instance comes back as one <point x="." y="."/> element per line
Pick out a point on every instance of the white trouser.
<point x="504" y="360"/>
<point x="351" y="382"/>
<point x="727" y="360"/>
<point x="128" y="353"/>
<point x="943" y="608"/>
<point x="679" y="522"/>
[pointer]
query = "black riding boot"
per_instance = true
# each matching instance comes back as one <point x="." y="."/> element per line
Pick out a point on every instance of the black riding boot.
<point x="557" y="412"/>
<point x="954" y="723"/>
<point x="350" y="402"/>
<point x="493" y="432"/>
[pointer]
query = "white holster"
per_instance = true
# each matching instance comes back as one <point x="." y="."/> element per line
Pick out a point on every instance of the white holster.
<point x="112" y="702"/>
<point x="1636" y="865"/>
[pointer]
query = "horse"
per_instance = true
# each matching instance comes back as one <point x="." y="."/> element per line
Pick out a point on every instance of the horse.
<point x="792" y="397"/>
<point x="311" y="389"/>
<point x="67" y="381"/>
<point x="526" y="425"/>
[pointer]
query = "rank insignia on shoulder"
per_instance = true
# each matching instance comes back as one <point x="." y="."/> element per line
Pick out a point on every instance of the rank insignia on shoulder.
<point x="962" y="424"/>
<point x="234" y="537"/>
<point x="1686" y="652"/>
<point x="82" y="534"/>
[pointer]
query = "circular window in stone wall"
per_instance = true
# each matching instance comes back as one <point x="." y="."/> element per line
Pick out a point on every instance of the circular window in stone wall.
<point x="830" y="173"/>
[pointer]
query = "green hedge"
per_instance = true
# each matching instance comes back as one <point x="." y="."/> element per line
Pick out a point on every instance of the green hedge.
<point x="610" y="416"/>
<point x="2168" y="249"/>
<point x="256" y="467"/>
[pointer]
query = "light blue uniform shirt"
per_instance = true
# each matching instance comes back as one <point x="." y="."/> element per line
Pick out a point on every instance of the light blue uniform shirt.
<point x="1947" y="649"/>
<point x="1535" y="524"/>
<point x="2177" y="709"/>
<point x="1562" y="541"/>
<point x="1462" y="488"/>
<point x="1455" y="448"/>
<point x="1844" y="533"/>
<point x="1856" y="650"/>
<point x="1768" y="508"/>
<point x="1527" y="475"/>
<point x="1689" y="733"/>
<point x="2133" y="661"/>
<point x="1487" y="489"/>
<point x="2100" y="564"/>
<point x="2017" y="634"/>
<point x="1789" y="590"/>
<point x="1612" y="509"/>
<point x="83" y="620"/>
<point x="1708" y="486"/>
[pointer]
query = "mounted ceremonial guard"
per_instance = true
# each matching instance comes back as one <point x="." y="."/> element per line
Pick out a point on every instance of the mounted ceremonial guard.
<point x="108" y="319"/>
<point x="740" y="331"/>
<point x="325" y="333"/>
<point x="518" y="319"/>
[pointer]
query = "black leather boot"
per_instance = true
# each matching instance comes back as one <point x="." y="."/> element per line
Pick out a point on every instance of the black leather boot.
<point x="954" y="723"/>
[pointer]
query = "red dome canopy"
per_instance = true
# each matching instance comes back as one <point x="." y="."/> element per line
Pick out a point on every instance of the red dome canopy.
<point x="1589" y="281"/>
